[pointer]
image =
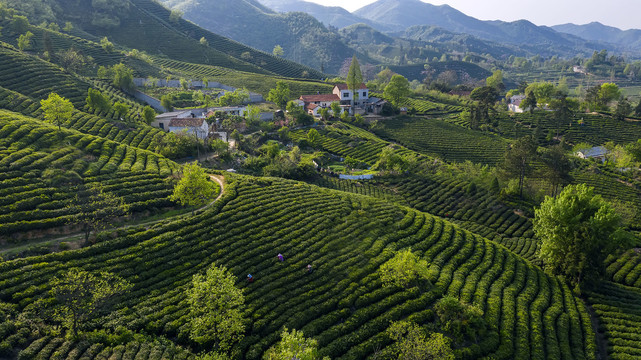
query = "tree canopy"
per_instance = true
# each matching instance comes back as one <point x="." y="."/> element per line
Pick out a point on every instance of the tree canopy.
<point x="578" y="230"/>
<point x="404" y="269"/>
<point x="79" y="295"/>
<point x="280" y="95"/>
<point x="194" y="188"/>
<point x="354" y="77"/>
<point x="216" y="308"/>
<point x="397" y="90"/>
<point x="293" y="345"/>
<point x="56" y="109"/>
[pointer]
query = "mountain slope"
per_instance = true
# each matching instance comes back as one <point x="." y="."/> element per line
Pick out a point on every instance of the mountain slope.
<point x="596" y="31"/>
<point x="402" y="14"/>
<point x="303" y="38"/>
<point x="342" y="304"/>
<point x="329" y="15"/>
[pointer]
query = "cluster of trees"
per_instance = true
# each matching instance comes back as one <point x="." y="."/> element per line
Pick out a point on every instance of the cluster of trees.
<point x="120" y="75"/>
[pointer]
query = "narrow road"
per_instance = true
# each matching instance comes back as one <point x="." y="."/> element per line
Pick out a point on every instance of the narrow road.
<point x="79" y="237"/>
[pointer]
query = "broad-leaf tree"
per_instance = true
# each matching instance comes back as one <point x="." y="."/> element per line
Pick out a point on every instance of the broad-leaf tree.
<point x="530" y="102"/>
<point x="97" y="100"/>
<point x="623" y="109"/>
<point x="194" y="188"/>
<point x="278" y="51"/>
<point x="397" y="90"/>
<point x="412" y="343"/>
<point x="216" y="309"/>
<point x="578" y="230"/>
<point x="56" y="109"/>
<point x="96" y="208"/>
<point x="558" y="166"/>
<point x="148" y="114"/>
<point x="280" y="95"/>
<point x="459" y="320"/>
<point x="79" y="296"/>
<point x="518" y="160"/>
<point x="293" y="345"/>
<point x="404" y="269"/>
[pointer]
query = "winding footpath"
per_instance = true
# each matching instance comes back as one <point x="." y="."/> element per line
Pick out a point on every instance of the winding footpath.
<point x="76" y="239"/>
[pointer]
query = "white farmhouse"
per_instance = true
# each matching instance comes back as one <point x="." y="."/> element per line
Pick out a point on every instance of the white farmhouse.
<point x="194" y="126"/>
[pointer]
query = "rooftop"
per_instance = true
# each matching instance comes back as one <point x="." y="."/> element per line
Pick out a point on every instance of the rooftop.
<point x="345" y="87"/>
<point x="189" y="122"/>
<point x="322" y="97"/>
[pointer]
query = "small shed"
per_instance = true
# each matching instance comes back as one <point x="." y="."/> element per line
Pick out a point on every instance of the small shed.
<point x="597" y="152"/>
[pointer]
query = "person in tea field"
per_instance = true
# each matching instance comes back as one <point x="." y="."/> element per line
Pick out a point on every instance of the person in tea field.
<point x="250" y="278"/>
<point x="309" y="268"/>
<point x="281" y="258"/>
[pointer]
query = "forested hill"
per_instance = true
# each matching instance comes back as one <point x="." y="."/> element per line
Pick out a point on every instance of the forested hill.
<point x="148" y="26"/>
<point x="303" y="38"/>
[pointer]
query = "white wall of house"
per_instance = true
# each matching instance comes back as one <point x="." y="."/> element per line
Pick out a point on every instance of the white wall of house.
<point x="201" y="132"/>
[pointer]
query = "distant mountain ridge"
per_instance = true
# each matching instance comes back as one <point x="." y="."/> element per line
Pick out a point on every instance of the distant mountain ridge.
<point x="303" y="38"/>
<point x="596" y="31"/>
<point x="334" y="16"/>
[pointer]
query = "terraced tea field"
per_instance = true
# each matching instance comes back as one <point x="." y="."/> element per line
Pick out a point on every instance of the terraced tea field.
<point x="30" y="201"/>
<point x="438" y="138"/>
<point x="342" y="304"/>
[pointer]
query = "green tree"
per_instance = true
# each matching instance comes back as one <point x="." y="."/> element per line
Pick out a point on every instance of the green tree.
<point x="96" y="209"/>
<point x="530" y="102"/>
<point x="404" y="269"/>
<point x="175" y="16"/>
<point x="459" y="320"/>
<point x="167" y="101"/>
<point x="486" y="96"/>
<point x="314" y="138"/>
<point x="624" y="108"/>
<point x="123" y="77"/>
<point x="337" y="110"/>
<point x="204" y="41"/>
<point x="97" y="100"/>
<point x="280" y="95"/>
<point x="390" y="160"/>
<point x="56" y="109"/>
<point x="496" y="81"/>
<point x="518" y="160"/>
<point x="607" y="93"/>
<point x="68" y="27"/>
<point x="397" y="90"/>
<point x="107" y="45"/>
<point x="216" y="309"/>
<point x="194" y="188"/>
<point x="293" y="345"/>
<point x="121" y="109"/>
<point x="283" y="134"/>
<point x="79" y="296"/>
<point x="19" y="24"/>
<point x="278" y="51"/>
<point x="324" y="113"/>
<point x="558" y="166"/>
<point x="563" y="110"/>
<point x="252" y="115"/>
<point x="412" y="343"/>
<point x="24" y="41"/>
<point x="578" y="230"/>
<point x="148" y="114"/>
<point x="354" y="78"/>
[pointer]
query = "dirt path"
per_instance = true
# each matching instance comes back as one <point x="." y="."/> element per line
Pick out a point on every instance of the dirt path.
<point x="75" y="240"/>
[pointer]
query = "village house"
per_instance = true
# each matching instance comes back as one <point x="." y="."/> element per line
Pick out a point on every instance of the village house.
<point x="515" y="103"/>
<point x="162" y="121"/>
<point x="361" y="103"/>
<point x="194" y="126"/>
<point x="597" y="152"/>
<point x="229" y="110"/>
